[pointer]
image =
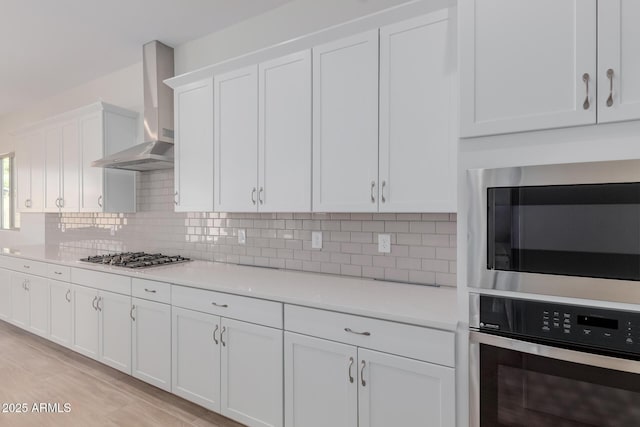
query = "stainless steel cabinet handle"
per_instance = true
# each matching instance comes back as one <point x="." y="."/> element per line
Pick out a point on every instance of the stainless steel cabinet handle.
<point x="373" y="186"/>
<point x="384" y="183"/>
<point x="151" y="291"/>
<point x="260" y="193"/>
<point x="27" y="266"/>
<point x="214" y="334"/>
<point x="68" y="296"/>
<point x="175" y="198"/>
<point x="27" y="285"/>
<point x="362" y="366"/>
<point x="220" y="305"/>
<point x="224" y="329"/>
<point x="57" y="272"/>
<point x="253" y="195"/>
<point x="350" y="365"/>
<point x="133" y="307"/>
<point x="585" y="79"/>
<point x="93" y="303"/>
<point x="100" y="201"/>
<point x="58" y="202"/>
<point x="610" y="77"/>
<point x="98" y="304"/>
<point x="26" y="203"/>
<point x="351" y="331"/>
<point x="61" y="205"/>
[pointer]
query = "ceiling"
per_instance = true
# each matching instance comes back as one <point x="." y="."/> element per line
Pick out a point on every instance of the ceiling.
<point x="47" y="47"/>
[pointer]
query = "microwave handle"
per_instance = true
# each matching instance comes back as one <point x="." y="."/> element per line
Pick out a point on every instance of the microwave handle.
<point x="491" y="230"/>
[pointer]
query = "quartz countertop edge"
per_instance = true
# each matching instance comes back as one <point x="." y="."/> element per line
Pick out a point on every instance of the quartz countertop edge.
<point x="428" y="306"/>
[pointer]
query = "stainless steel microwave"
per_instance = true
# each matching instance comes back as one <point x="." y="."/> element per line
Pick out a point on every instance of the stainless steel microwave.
<point x="567" y="230"/>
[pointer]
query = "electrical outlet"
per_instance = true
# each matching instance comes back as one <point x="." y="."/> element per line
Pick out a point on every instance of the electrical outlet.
<point x="113" y="230"/>
<point x="316" y="240"/>
<point x="384" y="243"/>
<point x="63" y="228"/>
<point x="242" y="236"/>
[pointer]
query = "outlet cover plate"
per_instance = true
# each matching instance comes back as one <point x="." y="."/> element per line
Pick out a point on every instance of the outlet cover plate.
<point x="316" y="240"/>
<point x="242" y="236"/>
<point x="384" y="243"/>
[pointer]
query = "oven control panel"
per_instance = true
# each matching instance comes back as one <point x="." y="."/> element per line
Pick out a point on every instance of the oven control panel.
<point x="607" y="329"/>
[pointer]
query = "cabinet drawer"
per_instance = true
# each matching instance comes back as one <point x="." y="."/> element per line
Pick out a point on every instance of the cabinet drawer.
<point x="59" y="272"/>
<point x="28" y="266"/>
<point x="151" y="290"/>
<point x="420" y="343"/>
<point x="252" y="310"/>
<point x="5" y="262"/>
<point x="104" y="281"/>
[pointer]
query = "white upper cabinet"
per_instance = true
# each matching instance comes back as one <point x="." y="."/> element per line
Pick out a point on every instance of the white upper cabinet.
<point x="30" y="171"/>
<point x="345" y="125"/>
<point x="236" y="140"/>
<point x="62" y="165"/>
<point x="618" y="60"/>
<point x="284" y="167"/>
<point x="527" y="65"/>
<point x="417" y="127"/>
<point x="194" y="147"/>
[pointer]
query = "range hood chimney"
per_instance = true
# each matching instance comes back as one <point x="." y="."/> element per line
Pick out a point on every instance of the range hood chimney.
<point x="156" y="152"/>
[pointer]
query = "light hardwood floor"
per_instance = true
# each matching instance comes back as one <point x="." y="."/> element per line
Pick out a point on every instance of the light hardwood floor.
<point x="33" y="370"/>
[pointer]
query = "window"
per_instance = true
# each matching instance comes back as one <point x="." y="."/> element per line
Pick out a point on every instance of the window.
<point x="8" y="218"/>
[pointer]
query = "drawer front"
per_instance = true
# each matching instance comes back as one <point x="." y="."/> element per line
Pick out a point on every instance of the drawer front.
<point x="28" y="266"/>
<point x="103" y="281"/>
<point x="59" y="272"/>
<point x="429" y="345"/>
<point x="5" y="262"/>
<point x="262" y="312"/>
<point x="151" y="290"/>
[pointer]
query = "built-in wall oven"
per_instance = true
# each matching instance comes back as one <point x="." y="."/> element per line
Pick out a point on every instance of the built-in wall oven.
<point x="559" y="232"/>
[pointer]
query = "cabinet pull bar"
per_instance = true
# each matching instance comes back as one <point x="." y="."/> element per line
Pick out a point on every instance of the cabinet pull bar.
<point x="100" y="201"/>
<point x="68" y="296"/>
<point x="175" y="198"/>
<point x="151" y="291"/>
<point x="99" y="304"/>
<point x="585" y="79"/>
<point x="57" y="272"/>
<point x="93" y="303"/>
<point x="220" y="305"/>
<point x="384" y="183"/>
<point x="362" y="366"/>
<point x="133" y="307"/>
<point x="349" y="373"/>
<point x="351" y="331"/>
<point x="253" y="195"/>
<point x="214" y="334"/>
<point x="224" y="329"/>
<point x="27" y="266"/>
<point x="373" y="186"/>
<point x="610" y="77"/>
<point x="260" y="193"/>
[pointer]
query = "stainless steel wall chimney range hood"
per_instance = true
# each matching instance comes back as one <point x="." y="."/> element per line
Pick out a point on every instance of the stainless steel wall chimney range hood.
<point x="157" y="150"/>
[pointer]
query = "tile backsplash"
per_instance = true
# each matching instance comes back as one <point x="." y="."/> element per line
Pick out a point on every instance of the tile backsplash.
<point x="423" y="245"/>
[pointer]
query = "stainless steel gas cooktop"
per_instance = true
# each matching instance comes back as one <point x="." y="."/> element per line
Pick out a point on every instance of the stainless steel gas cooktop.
<point x="135" y="259"/>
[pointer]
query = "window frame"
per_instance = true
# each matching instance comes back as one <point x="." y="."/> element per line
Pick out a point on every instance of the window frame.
<point x="12" y="192"/>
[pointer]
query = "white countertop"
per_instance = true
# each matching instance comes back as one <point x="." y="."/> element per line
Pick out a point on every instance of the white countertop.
<point x="434" y="307"/>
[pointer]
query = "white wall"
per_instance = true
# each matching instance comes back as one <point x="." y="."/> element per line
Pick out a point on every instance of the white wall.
<point x="291" y="20"/>
<point x="122" y="88"/>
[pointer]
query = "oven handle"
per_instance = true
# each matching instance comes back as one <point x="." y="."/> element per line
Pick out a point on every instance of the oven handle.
<point x="584" y="358"/>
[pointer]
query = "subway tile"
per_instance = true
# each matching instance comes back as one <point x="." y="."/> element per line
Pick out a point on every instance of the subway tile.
<point x="446" y="279"/>
<point x="321" y="256"/>
<point x="340" y="258"/>
<point x="384" y="261"/>
<point x="312" y="266"/>
<point x="435" y="217"/>
<point x="440" y="266"/>
<point x="425" y="277"/>
<point x="330" y="225"/>
<point x="408" y="263"/>
<point x="360" y="237"/>
<point x="440" y="240"/>
<point x="293" y="264"/>
<point x="350" y="270"/>
<point x="446" y="253"/>
<point x="377" y="226"/>
<point x="339" y="236"/>
<point x="408" y="239"/>
<point x="330" y="268"/>
<point x="351" y="225"/>
<point x="294" y="244"/>
<point x="351" y="248"/>
<point x="396" y="227"/>
<point x="396" y="274"/>
<point x="422" y="227"/>
<point x="364" y="260"/>
<point x="373" y="272"/>
<point x="422" y="252"/>
<point x="446" y="227"/>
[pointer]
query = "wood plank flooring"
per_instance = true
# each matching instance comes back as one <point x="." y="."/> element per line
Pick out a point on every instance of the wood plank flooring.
<point x="34" y="370"/>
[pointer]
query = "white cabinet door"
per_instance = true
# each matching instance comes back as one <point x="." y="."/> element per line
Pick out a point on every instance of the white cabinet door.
<point x="23" y="172"/>
<point x="5" y="294"/>
<point x="30" y="171"/>
<point x="251" y="373"/>
<point x="115" y="330"/>
<point x="53" y="162"/>
<point x="320" y="382"/>
<point x="61" y="312"/>
<point x="196" y="357"/>
<point x="85" y="321"/>
<point x="37" y="172"/>
<point x="151" y="352"/>
<point x="194" y="147"/>
<point x="92" y="179"/>
<point x="417" y="148"/>
<point x="236" y="140"/>
<point x="618" y="60"/>
<point x="19" y="300"/>
<point x="396" y="391"/>
<point x="345" y="125"/>
<point x="38" y="290"/>
<point x="521" y="70"/>
<point x="70" y="168"/>
<point x="284" y="168"/>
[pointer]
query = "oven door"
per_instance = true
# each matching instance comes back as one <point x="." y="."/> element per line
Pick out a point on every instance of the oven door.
<point x="518" y="383"/>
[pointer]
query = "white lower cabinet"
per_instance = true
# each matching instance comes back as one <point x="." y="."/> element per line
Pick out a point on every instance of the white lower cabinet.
<point x="251" y="373"/>
<point x="19" y="301"/>
<point x="61" y="312"/>
<point x="400" y="391"/>
<point x="102" y="326"/>
<point x="5" y="294"/>
<point x="196" y="357"/>
<point x="151" y="342"/>
<point x="320" y="374"/>
<point x="30" y="303"/>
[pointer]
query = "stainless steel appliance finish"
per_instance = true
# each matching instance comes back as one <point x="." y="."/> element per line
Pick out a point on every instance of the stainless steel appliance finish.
<point x="157" y="151"/>
<point x="135" y="259"/>
<point x="568" y="376"/>
<point x="479" y="276"/>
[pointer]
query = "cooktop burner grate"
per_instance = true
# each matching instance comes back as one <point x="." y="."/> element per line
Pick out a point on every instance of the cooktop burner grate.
<point x="135" y="259"/>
